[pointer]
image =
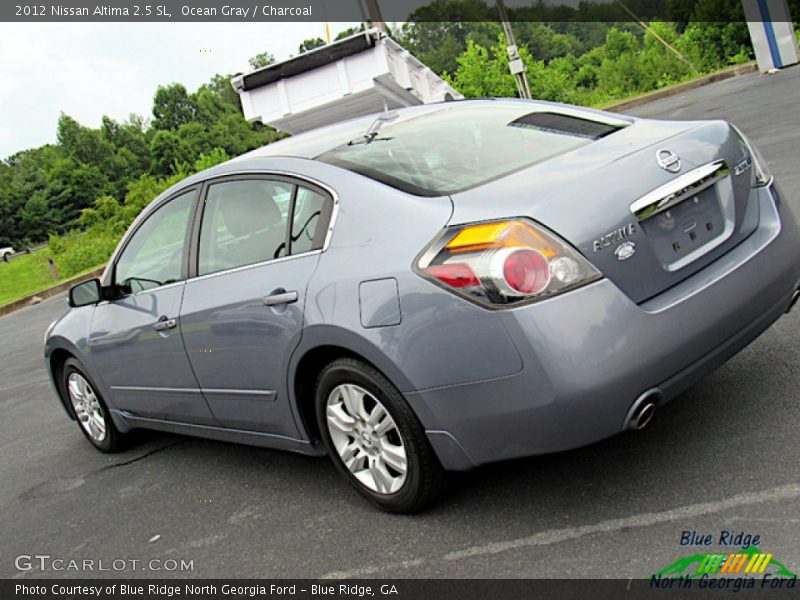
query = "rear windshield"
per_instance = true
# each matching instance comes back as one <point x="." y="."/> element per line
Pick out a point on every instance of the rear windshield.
<point x="461" y="147"/>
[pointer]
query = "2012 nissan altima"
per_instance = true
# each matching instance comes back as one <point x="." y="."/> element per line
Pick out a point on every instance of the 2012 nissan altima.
<point x="432" y="289"/>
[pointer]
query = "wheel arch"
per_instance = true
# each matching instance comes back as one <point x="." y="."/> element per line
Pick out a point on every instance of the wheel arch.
<point x="58" y="357"/>
<point x="320" y="348"/>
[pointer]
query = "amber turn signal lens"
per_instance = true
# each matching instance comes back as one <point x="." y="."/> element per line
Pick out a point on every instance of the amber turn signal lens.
<point x="503" y="234"/>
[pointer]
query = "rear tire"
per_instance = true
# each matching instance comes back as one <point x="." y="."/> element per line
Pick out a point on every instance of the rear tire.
<point x="89" y="409"/>
<point x="374" y="438"/>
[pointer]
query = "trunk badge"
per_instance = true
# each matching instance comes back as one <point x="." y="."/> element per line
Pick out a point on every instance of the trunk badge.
<point x="625" y="250"/>
<point x="614" y="237"/>
<point x="668" y="160"/>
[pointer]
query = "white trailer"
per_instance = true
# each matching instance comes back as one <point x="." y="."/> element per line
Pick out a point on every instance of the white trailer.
<point x="358" y="75"/>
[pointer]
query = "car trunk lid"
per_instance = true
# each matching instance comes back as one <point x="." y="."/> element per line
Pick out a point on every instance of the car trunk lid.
<point x="649" y="205"/>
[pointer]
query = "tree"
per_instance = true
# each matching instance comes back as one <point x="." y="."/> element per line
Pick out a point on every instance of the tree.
<point x="262" y="59"/>
<point x="172" y="107"/>
<point x="71" y="187"/>
<point x="36" y="218"/>
<point x="484" y="73"/>
<point x="8" y="206"/>
<point x="82" y="144"/>
<point x="168" y="152"/>
<point x="23" y="218"/>
<point x="220" y="85"/>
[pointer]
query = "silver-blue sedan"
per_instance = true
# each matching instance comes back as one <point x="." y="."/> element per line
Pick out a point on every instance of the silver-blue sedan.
<point x="433" y="289"/>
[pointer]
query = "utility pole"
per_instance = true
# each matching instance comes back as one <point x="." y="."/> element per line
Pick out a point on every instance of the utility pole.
<point x="374" y="12"/>
<point x="515" y="64"/>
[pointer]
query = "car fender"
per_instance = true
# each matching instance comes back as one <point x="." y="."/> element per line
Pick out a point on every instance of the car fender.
<point x="348" y="342"/>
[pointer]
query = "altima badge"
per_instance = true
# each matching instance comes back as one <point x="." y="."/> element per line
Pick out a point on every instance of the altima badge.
<point x="625" y="250"/>
<point x="613" y="237"/>
<point x="668" y="160"/>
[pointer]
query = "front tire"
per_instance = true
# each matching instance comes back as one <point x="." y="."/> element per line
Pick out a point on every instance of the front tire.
<point x="90" y="410"/>
<point x="374" y="438"/>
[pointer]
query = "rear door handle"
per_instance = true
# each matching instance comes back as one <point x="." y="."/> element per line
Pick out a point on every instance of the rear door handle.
<point x="280" y="298"/>
<point x="164" y="323"/>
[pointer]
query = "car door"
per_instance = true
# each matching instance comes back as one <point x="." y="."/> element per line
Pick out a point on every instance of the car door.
<point x="242" y="314"/>
<point x="135" y="340"/>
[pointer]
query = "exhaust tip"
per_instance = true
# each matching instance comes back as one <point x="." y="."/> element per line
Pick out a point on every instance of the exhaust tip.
<point x="793" y="301"/>
<point x="642" y="416"/>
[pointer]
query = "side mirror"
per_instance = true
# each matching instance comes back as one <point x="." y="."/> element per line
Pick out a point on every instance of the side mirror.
<point x="83" y="294"/>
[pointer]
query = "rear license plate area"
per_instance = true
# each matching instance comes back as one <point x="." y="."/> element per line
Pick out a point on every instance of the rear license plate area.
<point x="684" y="228"/>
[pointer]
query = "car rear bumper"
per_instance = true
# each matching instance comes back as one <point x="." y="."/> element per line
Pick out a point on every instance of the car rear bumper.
<point x="589" y="354"/>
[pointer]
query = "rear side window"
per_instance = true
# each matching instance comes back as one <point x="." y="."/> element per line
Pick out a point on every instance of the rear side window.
<point x="308" y="224"/>
<point x="247" y="221"/>
<point x="463" y="146"/>
<point x="244" y="222"/>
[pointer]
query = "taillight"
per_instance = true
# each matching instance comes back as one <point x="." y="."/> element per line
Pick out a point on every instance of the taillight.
<point x="504" y="263"/>
<point x="761" y="175"/>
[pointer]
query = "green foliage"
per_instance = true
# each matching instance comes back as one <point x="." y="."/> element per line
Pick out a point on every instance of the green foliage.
<point x="190" y="132"/>
<point x="172" y="107"/>
<point x="169" y="149"/>
<point x="76" y="252"/>
<point x="220" y="86"/>
<point x="594" y="33"/>
<point x="483" y="73"/>
<point x="263" y="59"/>
<point x="215" y="157"/>
<point x="624" y="64"/>
<point x="102" y="225"/>
<point x="216" y="122"/>
<point x="349" y="31"/>
<point x="44" y="190"/>
<point x="310" y="44"/>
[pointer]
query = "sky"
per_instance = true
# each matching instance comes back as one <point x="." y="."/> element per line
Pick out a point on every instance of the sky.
<point x="88" y="70"/>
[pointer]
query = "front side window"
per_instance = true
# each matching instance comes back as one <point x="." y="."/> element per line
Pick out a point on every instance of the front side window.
<point x="244" y="222"/>
<point x="154" y="254"/>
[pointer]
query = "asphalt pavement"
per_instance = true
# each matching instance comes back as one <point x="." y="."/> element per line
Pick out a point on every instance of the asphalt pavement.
<point x="722" y="457"/>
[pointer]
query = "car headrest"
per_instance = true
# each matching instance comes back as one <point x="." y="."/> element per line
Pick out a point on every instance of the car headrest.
<point x="248" y="207"/>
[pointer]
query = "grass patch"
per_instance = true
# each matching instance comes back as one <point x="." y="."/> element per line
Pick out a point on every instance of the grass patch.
<point x="25" y="275"/>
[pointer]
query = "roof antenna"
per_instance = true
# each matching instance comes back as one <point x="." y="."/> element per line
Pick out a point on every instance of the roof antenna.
<point x="373" y="130"/>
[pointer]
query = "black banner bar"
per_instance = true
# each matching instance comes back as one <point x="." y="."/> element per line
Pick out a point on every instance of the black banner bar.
<point x="392" y="11"/>
<point x="396" y="589"/>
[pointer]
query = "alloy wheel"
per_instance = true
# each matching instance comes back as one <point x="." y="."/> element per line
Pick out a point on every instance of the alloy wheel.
<point x="366" y="438"/>
<point x="87" y="407"/>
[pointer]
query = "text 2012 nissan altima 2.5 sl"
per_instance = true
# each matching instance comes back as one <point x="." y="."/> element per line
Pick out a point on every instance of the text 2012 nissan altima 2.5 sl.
<point x="433" y="288"/>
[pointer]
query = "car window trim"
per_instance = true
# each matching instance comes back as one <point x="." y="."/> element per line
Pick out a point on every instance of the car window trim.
<point x="186" y="241"/>
<point x="296" y="180"/>
<point x="290" y="220"/>
<point x="263" y="263"/>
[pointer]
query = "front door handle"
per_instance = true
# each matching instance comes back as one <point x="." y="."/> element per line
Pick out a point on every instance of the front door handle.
<point x="280" y="298"/>
<point x="164" y="323"/>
